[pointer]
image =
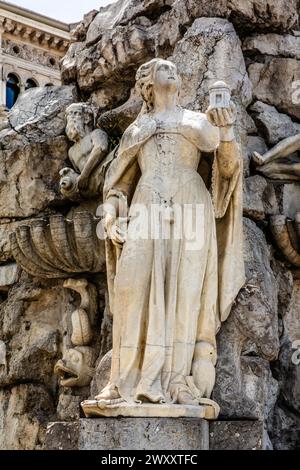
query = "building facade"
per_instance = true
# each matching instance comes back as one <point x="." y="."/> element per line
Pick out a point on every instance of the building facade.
<point x="31" y="46"/>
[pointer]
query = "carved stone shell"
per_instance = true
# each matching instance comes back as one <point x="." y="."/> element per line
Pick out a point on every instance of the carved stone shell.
<point x="58" y="247"/>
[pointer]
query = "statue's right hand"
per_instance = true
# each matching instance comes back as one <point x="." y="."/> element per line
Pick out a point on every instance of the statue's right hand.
<point x="114" y="231"/>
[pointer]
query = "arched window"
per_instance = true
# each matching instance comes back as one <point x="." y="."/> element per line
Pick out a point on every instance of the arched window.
<point x="30" y="83"/>
<point x="12" y="90"/>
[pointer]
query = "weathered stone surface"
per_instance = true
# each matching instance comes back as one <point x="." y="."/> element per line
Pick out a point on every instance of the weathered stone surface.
<point x="9" y="274"/>
<point x="39" y="113"/>
<point x="33" y="150"/>
<point x="285" y="423"/>
<point x="102" y="374"/>
<point x="274" y="125"/>
<point x="238" y="435"/>
<point x="285" y="429"/>
<point x="276" y="88"/>
<point x="265" y="15"/>
<point x="259" y="198"/>
<point x="210" y="51"/>
<point x="291" y="200"/>
<point x="143" y="434"/>
<point x="122" y="13"/>
<point x="32" y="324"/>
<point x="119" y="51"/>
<point x="274" y="45"/>
<point x="68" y="408"/>
<point x="249" y="338"/>
<point x="25" y="411"/>
<point x="62" y="436"/>
<point x="79" y="32"/>
<point x="30" y="177"/>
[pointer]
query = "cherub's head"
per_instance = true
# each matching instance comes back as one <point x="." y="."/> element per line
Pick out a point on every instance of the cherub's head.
<point x="156" y="76"/>
<point x="80" y="121"/>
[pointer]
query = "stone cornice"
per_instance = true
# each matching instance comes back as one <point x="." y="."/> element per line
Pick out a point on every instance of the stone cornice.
<point x="34" y="28"/>
<point x="31" y="15"/>
<point x="59" y="42"/>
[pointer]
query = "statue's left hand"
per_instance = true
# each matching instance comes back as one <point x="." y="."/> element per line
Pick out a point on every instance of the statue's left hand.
<point x="222" y="117"/>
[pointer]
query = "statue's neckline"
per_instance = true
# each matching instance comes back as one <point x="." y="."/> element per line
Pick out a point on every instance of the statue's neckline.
<point x="174" y="123"/>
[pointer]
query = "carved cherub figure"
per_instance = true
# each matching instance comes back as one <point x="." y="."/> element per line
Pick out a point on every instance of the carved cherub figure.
<point x="89" y="149"/>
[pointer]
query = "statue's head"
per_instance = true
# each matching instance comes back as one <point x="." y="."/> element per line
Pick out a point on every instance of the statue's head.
<point x="80" y="121"/>
<point x="156" y="76"/>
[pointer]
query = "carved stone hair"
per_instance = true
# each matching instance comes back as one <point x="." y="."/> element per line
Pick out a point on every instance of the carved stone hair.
<point x="144" y="83"/>
<point x="87" y="111"/>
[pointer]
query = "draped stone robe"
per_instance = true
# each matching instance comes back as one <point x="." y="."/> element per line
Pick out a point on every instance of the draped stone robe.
<point x="166" y="294"/>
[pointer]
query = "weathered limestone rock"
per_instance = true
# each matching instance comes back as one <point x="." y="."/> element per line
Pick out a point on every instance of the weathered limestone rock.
<point x="238" y="435"/>
<point x="62" y="436"/>
<point x="39" y="112"/>
<point x="285" y="423"/>
<point x="265" y="15"/>
<point x="9" y="274"/>
<point x="259" y="198"/>
<point x="123" y="12"/>
<point x="29" y="177"/>
<point x="25" y="411"/>
<point x="79" y="33"/>
<point x="32" y="324"/>
<point x="291" y="200"/>
<point x="68" y="407"/>
<point x="210" y="51"/>
<point x="33" y="150"/>
<point x="276" y="88"/>
<point x="249" y="338"/>
<point x="143" y="434"/>
<point x="274" y="125"/>
<point x="201" y="59"/>
<point x="273" y="45"/>
<point x="102" y="374"/>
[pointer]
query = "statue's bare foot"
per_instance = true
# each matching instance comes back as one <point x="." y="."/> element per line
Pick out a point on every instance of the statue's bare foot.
<point x="108" y="394"/>
<point x="257" y="159"/>
<point x="185" y="398"/>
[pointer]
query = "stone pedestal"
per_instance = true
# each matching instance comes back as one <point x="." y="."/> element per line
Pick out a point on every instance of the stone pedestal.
<point x="156" y="434"/>
<point x="129" y="434"/>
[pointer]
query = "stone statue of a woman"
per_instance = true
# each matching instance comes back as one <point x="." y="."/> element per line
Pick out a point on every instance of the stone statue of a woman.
<point x="168" y="296"/>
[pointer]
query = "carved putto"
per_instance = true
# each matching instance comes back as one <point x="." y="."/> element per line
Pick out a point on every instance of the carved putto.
<point x="87" y="154"/>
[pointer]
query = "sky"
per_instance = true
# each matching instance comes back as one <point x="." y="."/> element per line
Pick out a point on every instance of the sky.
<point x="69" y="11"/>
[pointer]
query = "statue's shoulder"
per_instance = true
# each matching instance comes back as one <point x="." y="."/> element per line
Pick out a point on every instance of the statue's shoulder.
<point x="99" y="132"/>
<point x="195" y="118"/>
<point x="99" y="137"/>
<point x="198" y="130"/>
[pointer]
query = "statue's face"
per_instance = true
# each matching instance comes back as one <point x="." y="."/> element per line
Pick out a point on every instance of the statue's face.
<point x="75" y="129"/>
<point x="166" y="77"/>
